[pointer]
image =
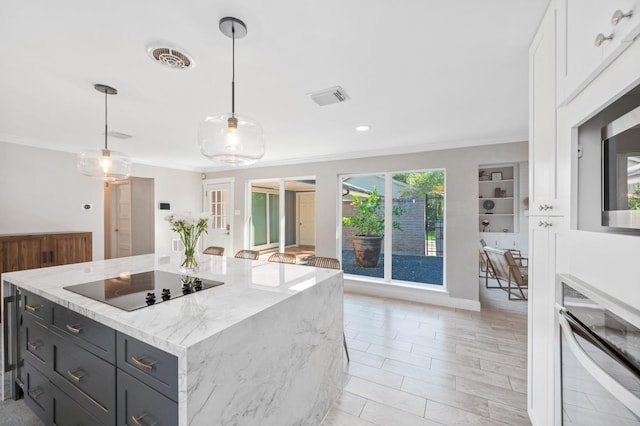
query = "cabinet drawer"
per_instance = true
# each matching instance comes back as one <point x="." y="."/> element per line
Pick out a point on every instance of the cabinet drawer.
<point x="88" y="379"/>
<point x="36" y="307"/>
<point x="37" y="392"/>
<point x="67" y="412"/>
<point x="138" y="404"/>
<point x="85" y="332"/>
<point x="148" y="364"/>
<point x="36" y="344"/>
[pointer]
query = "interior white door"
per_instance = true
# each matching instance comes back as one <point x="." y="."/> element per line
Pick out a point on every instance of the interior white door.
<point x="218" y="202"/>
<point x="123" y="219"/>
<point x="306" y="219"/>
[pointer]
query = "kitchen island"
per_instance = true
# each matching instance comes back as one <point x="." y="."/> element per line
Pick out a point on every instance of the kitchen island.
<point x="264" y="348"/>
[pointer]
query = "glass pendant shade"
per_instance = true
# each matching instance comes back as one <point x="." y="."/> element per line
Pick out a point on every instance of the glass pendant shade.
<point x="104" y="164"/>
<point x="231" y="139"/>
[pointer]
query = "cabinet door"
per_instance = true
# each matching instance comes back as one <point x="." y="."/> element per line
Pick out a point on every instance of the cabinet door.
<point x="580" y="22"/>
<point x="37" y="392"/>
<point x="544" y="234"/>
<point x="22" y="253"/>
<point x="543" y="141"/>
<point x="69" y="248"/>
<point x="138" y="404"/>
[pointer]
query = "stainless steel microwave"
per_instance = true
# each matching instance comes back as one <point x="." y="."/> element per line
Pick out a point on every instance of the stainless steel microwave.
<point x="621" y="172"/>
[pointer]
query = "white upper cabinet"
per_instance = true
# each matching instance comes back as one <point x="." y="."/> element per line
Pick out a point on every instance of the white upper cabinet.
<point x="591" y="34"/>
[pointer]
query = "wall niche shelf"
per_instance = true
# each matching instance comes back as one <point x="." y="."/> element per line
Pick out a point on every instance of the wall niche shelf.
<point x="497" y="207"/>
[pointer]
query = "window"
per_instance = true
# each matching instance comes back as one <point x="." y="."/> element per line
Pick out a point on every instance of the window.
<point x="218" y="199"/>
<point x="410" y="222"/>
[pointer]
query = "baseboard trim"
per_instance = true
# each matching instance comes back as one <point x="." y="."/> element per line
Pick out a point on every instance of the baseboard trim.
<point x="429" y="296"/>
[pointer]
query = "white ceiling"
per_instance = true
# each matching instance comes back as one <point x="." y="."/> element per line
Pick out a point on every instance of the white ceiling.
<point x="424" y="74"/>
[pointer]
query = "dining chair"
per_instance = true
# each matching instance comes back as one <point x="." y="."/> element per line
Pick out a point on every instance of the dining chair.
<point x="282" y="258"/>
<point x="216" y="251"/>
<point x="247" y="254"/>
<point x="324" y="262"/>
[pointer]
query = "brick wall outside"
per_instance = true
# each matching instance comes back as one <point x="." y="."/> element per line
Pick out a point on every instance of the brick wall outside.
<point x="408" y="241"/>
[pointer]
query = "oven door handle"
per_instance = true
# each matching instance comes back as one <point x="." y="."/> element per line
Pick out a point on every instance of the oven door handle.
<point x="609" y="383"/>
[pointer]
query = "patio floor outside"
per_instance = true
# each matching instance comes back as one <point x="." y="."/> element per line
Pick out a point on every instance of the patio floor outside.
<point x="418" y="269"/>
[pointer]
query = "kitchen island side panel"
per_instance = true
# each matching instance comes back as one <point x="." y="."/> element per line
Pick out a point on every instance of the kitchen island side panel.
<point x="282" y="366"/>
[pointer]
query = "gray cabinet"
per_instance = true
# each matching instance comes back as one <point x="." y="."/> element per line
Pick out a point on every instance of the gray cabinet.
<point x="85" y="377"/>
<point x="85" y="332"/>
<point x="148" y="364"/>
<point x="72" y="376"/>
<point x="139" y="405"/>
<point x="37" y="392"/>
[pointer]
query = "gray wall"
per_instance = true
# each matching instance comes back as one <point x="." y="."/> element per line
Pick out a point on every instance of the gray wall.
<point x="461" y="230"/>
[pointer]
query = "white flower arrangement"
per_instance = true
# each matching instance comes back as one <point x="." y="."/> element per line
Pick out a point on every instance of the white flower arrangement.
<point x="189" y="227"/>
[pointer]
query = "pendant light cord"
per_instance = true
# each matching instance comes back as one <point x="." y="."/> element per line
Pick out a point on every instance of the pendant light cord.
<point x="233" y="69"/>
<point x="105" y="118"/>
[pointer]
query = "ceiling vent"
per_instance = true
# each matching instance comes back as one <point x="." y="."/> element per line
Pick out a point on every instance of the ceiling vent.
<point x="333" y="95"/>
<point x="118" y="135"/>
<point x="170" y="57"/>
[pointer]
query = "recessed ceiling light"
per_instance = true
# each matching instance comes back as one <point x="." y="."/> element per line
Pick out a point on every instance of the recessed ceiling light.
<point x="362" y="128"/>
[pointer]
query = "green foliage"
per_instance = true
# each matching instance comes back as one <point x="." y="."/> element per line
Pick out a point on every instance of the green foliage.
<point x="634" y="199"/>
<point x="370" y="219"/>
<point x="421" y="183"/>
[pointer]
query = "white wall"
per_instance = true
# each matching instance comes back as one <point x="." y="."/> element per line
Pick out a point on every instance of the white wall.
<point x="182" y="189"/>
<point x="41" y="191"/>
<point x="461" y="232"/>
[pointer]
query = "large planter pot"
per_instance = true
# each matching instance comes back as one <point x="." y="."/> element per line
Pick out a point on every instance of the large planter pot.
<point x="367" y="250"/>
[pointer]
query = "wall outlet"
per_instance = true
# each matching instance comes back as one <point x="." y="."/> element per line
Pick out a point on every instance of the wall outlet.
<point x="86" y="207"/>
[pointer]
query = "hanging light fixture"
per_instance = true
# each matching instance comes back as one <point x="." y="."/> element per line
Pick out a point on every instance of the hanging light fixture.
<point x="231" y="138"/>
<point x="104" y="163"/>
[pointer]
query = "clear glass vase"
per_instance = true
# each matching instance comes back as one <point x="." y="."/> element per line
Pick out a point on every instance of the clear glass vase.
<point x="189" y="262"/>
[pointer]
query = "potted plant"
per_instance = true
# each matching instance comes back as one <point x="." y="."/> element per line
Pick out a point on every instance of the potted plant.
<point x="369" y="227"/>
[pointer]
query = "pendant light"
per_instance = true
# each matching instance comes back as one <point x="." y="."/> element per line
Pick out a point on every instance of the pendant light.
<point x="104" y="163"/>
<point x="230" y="138"/>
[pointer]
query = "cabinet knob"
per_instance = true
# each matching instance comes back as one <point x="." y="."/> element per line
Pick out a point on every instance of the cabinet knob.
<point x="619" y="15"/>
<point x="601" y="38"/>
<point x="544" y="224"/>
<point x="545" y="207"/>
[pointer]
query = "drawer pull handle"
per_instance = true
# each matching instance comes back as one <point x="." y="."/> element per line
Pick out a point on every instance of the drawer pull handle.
<point x="140" y="363"/>
<point x="138" y="420"/>
<point x="32" y="308"/>
<point x="34" y="346"/>
<point x="35" y="393"/>
<point x="74" y="329"/>
<point x="75" y="376"/>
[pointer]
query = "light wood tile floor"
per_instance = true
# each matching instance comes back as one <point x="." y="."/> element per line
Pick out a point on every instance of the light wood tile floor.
<point x="414" y="364"/>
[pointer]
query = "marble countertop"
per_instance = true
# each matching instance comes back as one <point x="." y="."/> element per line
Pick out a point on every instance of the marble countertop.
<point x="174" y="326"/>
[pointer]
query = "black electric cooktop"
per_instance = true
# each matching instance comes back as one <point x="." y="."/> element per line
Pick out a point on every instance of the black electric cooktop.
<point x="135" y="291"/>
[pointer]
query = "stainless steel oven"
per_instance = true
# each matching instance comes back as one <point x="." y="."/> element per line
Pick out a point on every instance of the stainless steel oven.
<point x="600" y="357"/>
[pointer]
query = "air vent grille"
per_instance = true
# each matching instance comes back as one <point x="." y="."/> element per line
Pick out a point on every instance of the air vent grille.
<point x="333" y="95"/>
<point x="171" y="57"/>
